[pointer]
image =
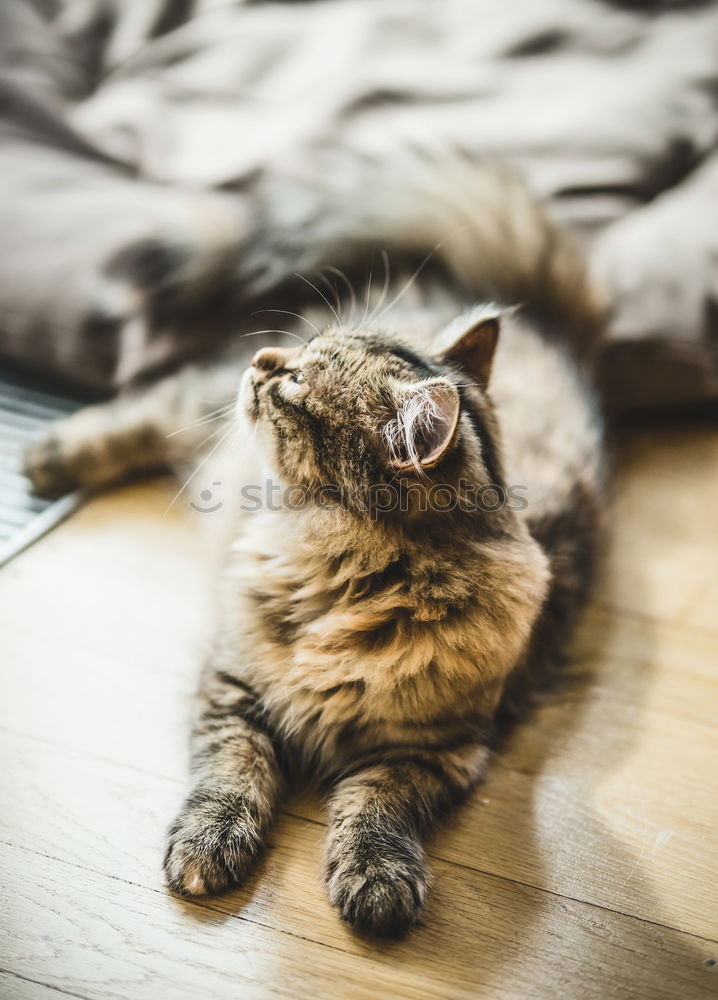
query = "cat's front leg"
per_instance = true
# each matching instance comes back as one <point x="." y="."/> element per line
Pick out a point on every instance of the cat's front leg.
<point x="220" y="829"/>
<point x="376" y="870"/>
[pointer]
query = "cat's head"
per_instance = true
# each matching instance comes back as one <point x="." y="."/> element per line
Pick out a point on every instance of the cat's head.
<point x="357" y="410"/>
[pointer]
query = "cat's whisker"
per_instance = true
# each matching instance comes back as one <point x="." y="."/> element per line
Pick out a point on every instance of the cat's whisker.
<point x="385" y="288"/>
<point x="208" y="419"/>
<point x="368" y="289"/>
<point x="256" y="333"/>
<point x="332" y="286"/>
<point x="213" y="434"/>
<point x="288" y="312"/>
<point x="387" y="278"/>
<point x="350" y="287"/>
<point x="197" y="470"/>
<point x="321" y="295"/>
<point x="400" y="295"/>
<point x="234" y="438"/>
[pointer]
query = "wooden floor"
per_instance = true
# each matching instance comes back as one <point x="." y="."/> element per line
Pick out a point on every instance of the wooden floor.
<point x="586" y="867"/>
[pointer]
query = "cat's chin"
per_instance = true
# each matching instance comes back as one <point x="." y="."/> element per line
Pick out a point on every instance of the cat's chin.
<point x="246" y="400"/>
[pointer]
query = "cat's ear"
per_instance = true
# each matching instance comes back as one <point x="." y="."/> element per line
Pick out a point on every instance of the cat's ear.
<point x="470" y="342"/>
<point x="424" y="427"/>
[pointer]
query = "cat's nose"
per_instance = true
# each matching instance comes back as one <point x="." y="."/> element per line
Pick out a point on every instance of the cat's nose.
<point x="269" y="359"/>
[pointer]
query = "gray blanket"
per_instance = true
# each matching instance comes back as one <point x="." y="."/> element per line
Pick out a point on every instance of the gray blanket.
<point x="165" y="164"/>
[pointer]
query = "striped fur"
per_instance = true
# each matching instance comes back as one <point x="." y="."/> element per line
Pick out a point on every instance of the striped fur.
<point x="373" y="650"/>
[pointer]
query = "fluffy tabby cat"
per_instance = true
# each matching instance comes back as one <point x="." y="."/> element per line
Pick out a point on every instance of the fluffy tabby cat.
<point x="372" y="636"/>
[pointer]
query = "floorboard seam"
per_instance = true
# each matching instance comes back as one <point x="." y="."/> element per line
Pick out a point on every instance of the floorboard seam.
<point x="455" y="864"/>
<point x="39" y="982"/>
<point x="185" y="899"/>
<point x="315" y="822"/>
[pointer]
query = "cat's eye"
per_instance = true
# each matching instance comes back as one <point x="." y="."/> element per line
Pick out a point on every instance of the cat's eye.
<point x="297" y="377"/>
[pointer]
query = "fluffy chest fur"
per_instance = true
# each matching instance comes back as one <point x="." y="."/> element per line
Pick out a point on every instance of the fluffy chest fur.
<point x="355" y="635"/>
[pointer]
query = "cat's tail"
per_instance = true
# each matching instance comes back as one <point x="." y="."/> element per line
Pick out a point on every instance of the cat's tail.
<point x="499" y="243"/>
<point x="493" y="237"/>
<point x="477" y="219"/>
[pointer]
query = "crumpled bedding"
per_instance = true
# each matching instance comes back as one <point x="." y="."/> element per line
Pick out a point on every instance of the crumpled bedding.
<point x="147" y="148"/>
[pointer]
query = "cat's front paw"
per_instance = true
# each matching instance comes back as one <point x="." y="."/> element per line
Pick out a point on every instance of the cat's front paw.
<point x="382" y="896"/>
<point x="212" y="845"/>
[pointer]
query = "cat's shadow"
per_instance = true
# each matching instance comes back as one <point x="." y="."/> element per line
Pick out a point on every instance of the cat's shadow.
<point x="547" y="840"/>
<point x="496" y="922"/>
